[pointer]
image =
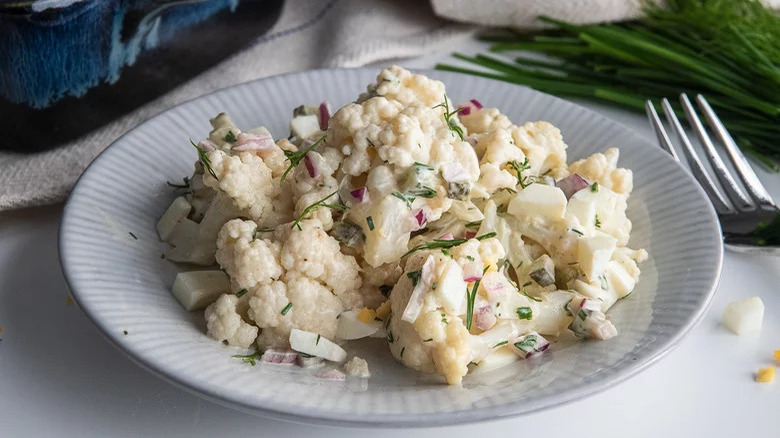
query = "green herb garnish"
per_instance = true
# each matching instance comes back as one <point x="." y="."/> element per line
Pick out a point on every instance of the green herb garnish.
<point x="577" y="231"/>
<point x="524" y="313"/>
<point x="132" y="235"/>
<point x="594" y="187"/>
<point x="423" y="166"/>
<point x="319" y="204"/>
<point x="597" y="223"/>
<point x="248" y="358"/>
<point x="186" y="184"/>
<point x="531" y="297"/>
<point x="526" y="345"/>
<point x="500" y="344"/>
<point x="446" y="252"/>
<point x="470" y="297"/>
<point x="469" y="258"/>
<point x="317" y="342"/>
<point x="519" y="168"/>
<point x="390" y="337"/>
<point x="241" y="293"/>
<point x="486" y="236"/>
<point x="414" y="276"/>
<point x="370" y="222"/>
<point x="451" y="122"/>
<point x="407" y="200"/>
<point x="421" y="192"/>
<point x="428" y="340"/>
<point x="475" y="224"/>
<point x="385" y="289"/>
<point x="402" y="351"/>
<point x="204" y="159"/>
<point x="582" y="314"/>
<point x="295" y="158"/>
<point x="230" y="137"/>
<point x="287" y="309"/>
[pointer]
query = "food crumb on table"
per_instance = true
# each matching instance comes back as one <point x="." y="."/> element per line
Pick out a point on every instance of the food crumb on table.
<point x="69" y="301"/>
<point x="765" y="375"/>
<point x="357" y="367"/>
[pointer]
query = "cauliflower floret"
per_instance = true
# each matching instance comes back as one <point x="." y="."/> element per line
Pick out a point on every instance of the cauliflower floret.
<point x="603" y="168"/>
<point x="312" y="308"/>
<point x="484" y="120"/>
<point x="246" y="179"/>
<point x="491" y="179"/>
<point x="452" y="356"/>
<point x="378" y="280"/>
<point x="542" y="143"/>
<point x="224" y="323"/>
<point x="399" y="84"/>
<point x="247" y="260"/>
<point x="357" y="367"/>
<point x="354" y="131"/>
<point x="314" y="254"/>
<point x="499" y="148"/>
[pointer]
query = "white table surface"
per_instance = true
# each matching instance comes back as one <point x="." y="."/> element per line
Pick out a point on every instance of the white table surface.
<point x="60" y="378"/>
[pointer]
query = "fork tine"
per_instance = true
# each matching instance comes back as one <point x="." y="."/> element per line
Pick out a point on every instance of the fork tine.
<point x="660" y="132"/>
<point x="749" y="178"/>
<point x="722" y="205"/>
<point x="741" y="202"/>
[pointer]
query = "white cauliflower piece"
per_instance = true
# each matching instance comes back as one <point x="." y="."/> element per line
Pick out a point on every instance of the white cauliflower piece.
<point x="375" y="280"/>
<point x="311" y="252"/>
<point x="357" y="367"/>
<point x="398" y="84"/>
<point x="355" y="127"/>
<point x="247" y="260"/>
<point x="312" y="308"/>
<point x="484" y="120"/>
<point x="224" y="323"/>
<point x="603" y="168"/>
<point x="543" y="144"/>
<point x="492" y="178"/>
<point x="246" y="179"/>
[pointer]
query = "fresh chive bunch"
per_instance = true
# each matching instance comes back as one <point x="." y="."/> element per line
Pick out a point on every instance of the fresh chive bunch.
<point x="728" y="50"/>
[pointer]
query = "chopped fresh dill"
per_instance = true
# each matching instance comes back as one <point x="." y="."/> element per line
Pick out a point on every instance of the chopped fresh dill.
<point x="251" y="359"/>
<point x="519" y="168"/>
<point x="407" y="199"/>
<point x="295" y="158"/>
<point x="452" y="123"/>
<point x="319" y="204"/>
<point x="204" y="159"/>
<point x="438" y="243"/>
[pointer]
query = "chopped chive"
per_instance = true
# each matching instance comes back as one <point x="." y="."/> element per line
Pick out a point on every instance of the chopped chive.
<point x="486" y="236"/>
<point x="538" y="300"/>
<point x="230" y="137"/>
<point x="475" y="224"/>
<point x="407" y="200"/>
<point x="370" y="222"/>
<point x="204" y="159"/>
<point x="577" y="231"/>
<point x="469" y="258"/>
<point x="287" y="309"/>
<point x="594" y="187"/>
<point x="524" y="313"/>
<point x="402" y="351"/>
<point x="597" y="222"/>
<point x="241" y="293"/>
<point x="500" y="344"/>
<point x="414" y="276"/>
<point x="132" y="235"/>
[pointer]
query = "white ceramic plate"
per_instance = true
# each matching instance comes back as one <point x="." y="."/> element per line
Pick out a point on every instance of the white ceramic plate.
<point x="122" y="284"/>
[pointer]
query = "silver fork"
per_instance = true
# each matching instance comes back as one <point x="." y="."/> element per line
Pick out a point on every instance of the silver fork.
<point x="739" y="213"/>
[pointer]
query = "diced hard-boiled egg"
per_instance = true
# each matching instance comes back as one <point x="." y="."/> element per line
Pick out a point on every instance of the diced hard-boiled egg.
<point x="315" y="345"/>
<point x="450" y="287"/>
<point x="352" y="326"/>
<point x="619" y="279"/>
<point x="594" y="253"/>
<point x="765" y="375"/>
<point x="540" y="200"/>
<point x="305" y="126"/>
<point x="744" y="316"/>
<point x="198" y="289"/>
<point x="178" y="210"/>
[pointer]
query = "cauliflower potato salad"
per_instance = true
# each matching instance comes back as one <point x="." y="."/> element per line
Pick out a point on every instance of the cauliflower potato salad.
<point x="460" y="239"/>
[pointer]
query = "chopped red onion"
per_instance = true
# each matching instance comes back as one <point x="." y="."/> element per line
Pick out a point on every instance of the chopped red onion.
<point x="587" y="304"/>
<point x="446" y="236"/>
<point x="572" y="184"/>
<point x="484" y="318"/>
<point x="207" y="145"/>
<point x="476" y="103"/>
<point x="279" y="356"/>
<point x="333" y="374"/>
<point x="421" y="219"/>
<point x="360" y="194"/>
<point x="472" y="271"/>
<point x="471" y="234"/>
<point x="247" y="141"/>
<point x="324" y="116"/>
<point x="314" y="172"/>
<point x="603" y="330"/>
<point x="464" y="110"/>
<point x="472" y="139"/>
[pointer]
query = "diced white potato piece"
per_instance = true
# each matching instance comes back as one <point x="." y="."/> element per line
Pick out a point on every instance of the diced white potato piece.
<point x="619" y="279"/>
<point x="582" y="206"/>
<point x="497" y="359"/>
<point x="197" y="289"/>
<point x="501" y="332"/>
<point x="552" y="317"/>
<point x="594" y="253"/>
<point x="350" y="327"/>
<point x="178" y="210"/>
<point x="184" y="233"/>
<point x="197" y="243"/>
<point x="450" y="288"/>
<point x="305" y="126"/>
<point x="538" y="199"/>
<point x="610" y="208"/>
<point x="316" y="345"/>
<point x="744" y="316"/>
<point x="607" y="297"/>
<point x="466" y="210"/>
